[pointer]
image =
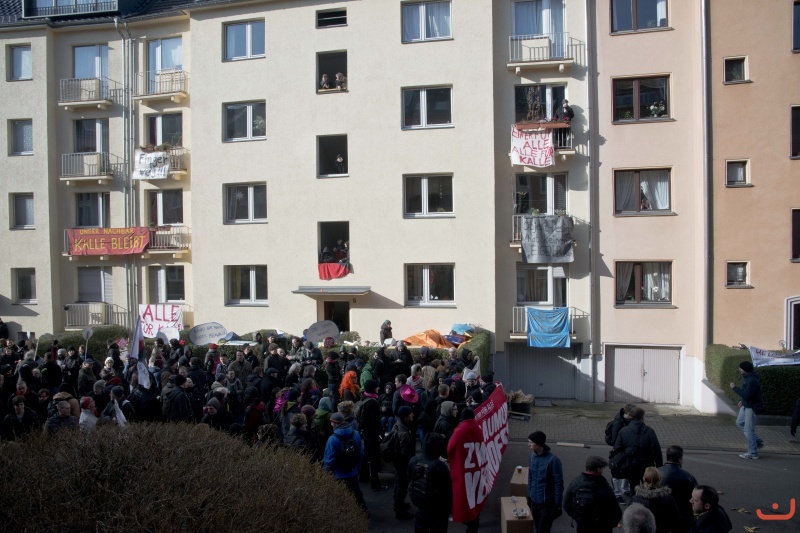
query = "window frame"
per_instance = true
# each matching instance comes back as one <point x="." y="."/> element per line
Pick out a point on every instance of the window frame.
<point x="636" y="100"/>
<point x="744" y="284"/>
<point x="248" y="40"/>
<point x="12" y="148"/>
<point x="345" y="154"/>
<point x="427" y="300"/>
<point x="796" y="26"/>
<point x="745" y="70"/>
<point x="12" y="63"/>
<point x="16" y="273"/>
<point x="639" y="211"/>
<point x="163" y="281"/>
<point x="635" y="19"/>
<point x="637" y="279"/>
<point x="422" y="18"/>
<point x="795" y="228"/>
<point x="424" y="192"/>
<point x="549" y="179"/>
<point x="423" y="108"/>
<point x="154" y="129"/>
<point x="249" y="135"/>
<point x="735" y="184"/>
<point x="794" y="126"/>
<point x="253" y="301"/>
<point x="334" y="10"/>
<point x="103" y="207"/>
<point x="159" y="195"/>
<point x="13" y="211"/>
<point x="550" y="284"/>
<point x="250" y="203"/>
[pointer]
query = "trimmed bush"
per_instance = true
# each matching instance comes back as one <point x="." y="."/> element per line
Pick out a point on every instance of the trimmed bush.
<point x="97" y="343"/>
<point x="166" y="478"/>
<point x="780" y="385"/>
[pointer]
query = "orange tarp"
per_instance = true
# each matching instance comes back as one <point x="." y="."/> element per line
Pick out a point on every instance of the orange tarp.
<point x="430" y="338"/>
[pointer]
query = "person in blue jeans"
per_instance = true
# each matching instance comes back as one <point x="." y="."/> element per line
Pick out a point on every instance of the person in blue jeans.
<point x="545" y="483"/>
<point x="750" y="405"/>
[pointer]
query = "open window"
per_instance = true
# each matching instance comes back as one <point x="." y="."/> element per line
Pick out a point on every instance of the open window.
<point x="334" y="250"/>
<point x="332" y="71"/>
<point x="330" y="18"/>
<point x="332" y="156"/>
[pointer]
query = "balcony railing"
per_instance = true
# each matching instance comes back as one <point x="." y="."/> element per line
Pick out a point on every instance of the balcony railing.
<point x="170" y="238"/>
<point x="519" y="320"/>
<point x="542" y="47"/>
<point x="90" y="164"/>
<point x="161" y="82"/>
<point x="72" y="7"/>
<point x="178" y="159"/>
<point x="89" y="90"/>
<point x="81" y="315"/>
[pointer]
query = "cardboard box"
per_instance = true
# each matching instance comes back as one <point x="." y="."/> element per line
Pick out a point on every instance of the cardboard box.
<point x="510" y="523"/>
<point x="519" y="483"/>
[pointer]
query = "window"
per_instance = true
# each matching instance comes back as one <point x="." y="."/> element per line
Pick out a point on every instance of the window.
<point x="166" y="207"/>
<point x="547" y="193"/>
<point x="95" y="285"/>
<point x="795" y="234"/>
<point x="796" y="132"/>
<point x="245" y="121"/>
<point x="332" y="156"/>
<point x="90" y="61"/>
<point x="332" y="72"/>
<point x="334" y="242"/>
<point x="538" y="17"/>
<point x="736" y="173"/>
<point x="92" y="210"/>
<point x="641" y="99"/>
<point x="428" y="196"/>
<point x="20" y="68"/>
<point x="737" y="275"/>
<point x="641" y="190"/>
<point x="644" y="283"/>
<point x="22" y="211"/>
<point x="430" y="284"/>
<point x="165" y="54"/>
<point x="91" y="135"/>
<point x="245" y="40"/>
<point x="796" y="39"/>
<point x="425" y="108"/>
<point x="332" y="17"/>
<point x="426" y="21"/>
<point x="166" y="129"/>
<point x="550" y="98"/>
<point x="21" y="137"/>
<point x="246" y="203"/>
<point x="735" y="70"/>
<point x="165" y="284"/>
<point x="24" y="280"/>
<point x="632" y="15"/>
<point x="246" y="285"/>
<point x="541" y="285"/>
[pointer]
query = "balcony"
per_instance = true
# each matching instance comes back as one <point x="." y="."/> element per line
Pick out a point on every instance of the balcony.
<point x="153" y="85"/>
<point x="544" y="51"/>
<point x="83" y="93"/>
<point x="89" y="167"/>
<point x="81" y="315"/>
<point x="61" y="8"/>
<point x="519" y="322"/>
<point x="178" y="161"/>
<point x="175" y="240"/>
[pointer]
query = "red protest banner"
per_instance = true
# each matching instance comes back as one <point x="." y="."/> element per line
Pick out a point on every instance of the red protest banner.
<point x="474" y="453"/>
<point x="108" y="241"/>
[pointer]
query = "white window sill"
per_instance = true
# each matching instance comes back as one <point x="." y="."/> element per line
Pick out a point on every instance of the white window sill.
<point x="22" y="228"/>
<point x="665" y="305"/>
<point x="245" y="139"/>
<point x="742" y="286"/>
<point x="738" y="185"/>
<point x="244" y="58"/>
<point x="534" y="304"/>
<point x="17" y="154"/>
<point x="246" y="304"/>
<point x="642" y="30"/>
<point x="736" y="82"/>
<point x="649" y="120"/>
<point x="430" y="40"/>
<point x="244" y="222"/>
<point x="429" y="215"/>
<point x="324" y="176"/>
<point x="24" y="302"/>
<point x="651" y="213"/>
<point x="432" y="127"/>
<point x="431" y="305"/>
<point x="20" y="79"/>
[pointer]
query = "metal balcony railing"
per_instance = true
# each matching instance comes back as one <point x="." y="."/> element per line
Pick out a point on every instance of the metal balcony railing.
<point x="169" y="238"/>
<point x="89" y="90"/>
<point x="81" y="315"/>
<point x="72" y="7"/>
<point x="542" y="47"/>
<point x="519" y="320"/>
<point x="155" y="82"/>
<point x="88" y="164"/>
<point x="178" y="159"/>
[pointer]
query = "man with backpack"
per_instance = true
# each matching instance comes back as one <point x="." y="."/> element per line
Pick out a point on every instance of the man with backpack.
<point x="590" y="501"/>
<point x="429" y="486"/>
<point x="621" y="486"/>
<point x="636" y="448"/>
<point x="399" y="447"/>
<point x="343" y="456"/>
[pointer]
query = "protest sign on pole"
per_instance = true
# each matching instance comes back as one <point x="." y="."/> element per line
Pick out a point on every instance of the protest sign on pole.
<point x="210" y="332"/>
<point x="156" y="317"/>
<point x="768" y="358"/>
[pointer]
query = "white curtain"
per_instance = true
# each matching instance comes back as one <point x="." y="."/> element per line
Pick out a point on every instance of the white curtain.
<point x="528" y="18"/>
<point x="624" y="271"/>
<point x="171" y="54"/>
<point x="736" y="173"/>
<point x="655" y="185"/>
<point x="656" y="281"/>
<point x="22" y="131"/>
<point x="625" y="189"/>
<point x="21" y="62"/>
<point x="661" y="12"/>
<point x="411" y="22"/>
<point x="23" y="210"/>
<point x="437" y="19"/>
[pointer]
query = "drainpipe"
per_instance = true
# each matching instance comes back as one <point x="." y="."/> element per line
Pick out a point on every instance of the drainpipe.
<point x="591" y="167"/>
<point x="125" y="133"/>
<point x="133" y="311"/>
<point x="708" y="176"/>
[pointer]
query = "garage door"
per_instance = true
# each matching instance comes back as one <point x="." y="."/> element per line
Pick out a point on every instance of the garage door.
<point x="543" y="372"/>
<point x="643" y="374"/>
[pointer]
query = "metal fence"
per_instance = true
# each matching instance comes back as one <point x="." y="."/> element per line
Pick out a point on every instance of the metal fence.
<point x="161" y="82"/>
<point x="90" y="164"/>
<point x="542" y="47"/>
<point x="89" y="90"/>
<point x="72" y="7"/>
<point x="178" y="159"/>
<point x="80" y="315"/>
<point x="519" y="320"/>
<point x="170" y="238"/>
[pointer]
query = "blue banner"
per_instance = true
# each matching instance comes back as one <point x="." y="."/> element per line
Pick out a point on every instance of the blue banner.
<point x="548" y="328"/>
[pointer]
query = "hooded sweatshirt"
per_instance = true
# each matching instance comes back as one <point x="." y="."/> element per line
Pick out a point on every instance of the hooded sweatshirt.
<point x="335" y="447"/>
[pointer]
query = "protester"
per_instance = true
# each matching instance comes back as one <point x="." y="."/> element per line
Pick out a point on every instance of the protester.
<point x="638" y="519"/>
<point x="403" y="451"/>
<point x="680" y="482"/>
<point x="545" y="483"/>
<point x="750" y="405"/>
<point x="590" y="500"/>
<point x="430" y="487"/>
<point x="371" y="431"/>
<point x="22" y="421"/>
<point x="63" y="419"/>
<point x="639" y="446"/>
<point x="659" y="500"/>
<point x="339" y="458"/>
<point x="622" y="487"/>
<point x="709" y="516"/>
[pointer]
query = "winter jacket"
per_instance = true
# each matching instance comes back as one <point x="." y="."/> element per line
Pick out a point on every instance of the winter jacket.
<point x="750" y="391"/>
<point x="619" y="422"/>
<point x="221" y="421"/>
<point x="335" y="447"/>
<point x="714" y="521"/>
<point x="86" y="380"/>
<point x="166" y="400"/>
<point x="640" y="443"/>
<point x="661" y="503"/>
<point x="446" y="423"/>
<point x="605" y="509"/>
<point x="681" y="483"/>
<point x="242" y="370"/>
<point x="88" y="420"/>
<point x="145" y="404"/>
<point x="386" y="333"/>
<point x="57" y="423"/>
<point x="74" y="405"/>
<point x="370" y="423"/>
<point x="405" y="446"/>
<point x="545" y="478"/>
<point x="14" y="428"/>
<point x="366" y="375"/>
<point x="439" y="495"/>
<point x="180" y="406"/>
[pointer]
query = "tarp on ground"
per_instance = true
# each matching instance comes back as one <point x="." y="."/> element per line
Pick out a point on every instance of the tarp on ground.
<point x="430" y="338"/>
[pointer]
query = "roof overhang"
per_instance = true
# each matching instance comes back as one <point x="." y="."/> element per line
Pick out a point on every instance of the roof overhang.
<point x="332" y="291"/>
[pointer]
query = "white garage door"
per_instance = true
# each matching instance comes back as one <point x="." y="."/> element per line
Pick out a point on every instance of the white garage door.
<point x="643" y="374"/>
<point x="543" y="372"/>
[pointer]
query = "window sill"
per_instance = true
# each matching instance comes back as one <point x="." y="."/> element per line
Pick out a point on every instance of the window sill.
<point x="246" y="304"/>
<point x="243" y="140"/>
<point x="642" y="30"/>
<point x="243" y="222"/>
<point x="645" y="306"/>
<point x="795" y="260"/>
<point x="237" y="59"/>
<point x="744" y="286"/>
<point x="736" y="82"/>
<point x="434" y="40"/>
<point x="20" y="79"/>
<point x="651" y="213"/>
<point x="449" y="305"/>
<point x="324" y="176"/>
<point x="412" y="216"/>
<point x="23" y="228"/>
<point x="332" y="91"/>
<point x="332" y="26"/>
<point x="20" y="154"/>
<point x="434" y="127"/>
<point x="641" y="121"/>
<point x="795" y="157"/>
<point x="738" y="185"/>
<point x="24" y="302"/>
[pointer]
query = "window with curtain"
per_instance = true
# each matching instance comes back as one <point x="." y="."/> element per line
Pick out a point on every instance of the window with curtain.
<point x="641" y="99"/>
<point x="90" y="61"/>
<point x="428" y="196"/>
<point x="246" y="285"/>
<point x="533" y="285"/>
<point x="244" y="40"/>
<point x="430" y="284"/>
<point x="166" y="128"/>
<point x="633" y="15"/>
<point x="94" y="284"/>
<point x="91" y="135"/>
<point x="165" y="54"/>
<point x="643" y="282"/>
<point x="246" y="202"/>
<point x="245" y="121"/>
<point x="21" y="137"/>
<point x="639" y="191"/>
<point x="23" y="211"/>
<point x="538" y="17"/>
<point x="545" y="192"/>
<point x="24" y="285"/>
<point x="166" y="207"/>
<point x="426" y="21"/>
<point x="736" y="173"/>
<point x="21" y="63"/>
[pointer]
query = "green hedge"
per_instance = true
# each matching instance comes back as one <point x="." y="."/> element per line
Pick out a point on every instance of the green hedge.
<point x="779" y="384"/>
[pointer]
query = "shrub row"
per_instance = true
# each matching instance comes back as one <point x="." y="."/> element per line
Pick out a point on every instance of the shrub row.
<point x="780" y="385"/>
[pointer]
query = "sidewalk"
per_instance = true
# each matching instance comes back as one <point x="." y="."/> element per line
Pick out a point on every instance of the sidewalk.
<point x="580" y="422"/>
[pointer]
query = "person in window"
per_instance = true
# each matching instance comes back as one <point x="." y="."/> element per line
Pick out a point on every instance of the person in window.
<point x="324" y="83"/>
<point x="326" y="256"/>
<point x="565" y="112"/>
<point x="341" y="81"/>
<point x="341" y="167"/>
<point x="644" y="205"/>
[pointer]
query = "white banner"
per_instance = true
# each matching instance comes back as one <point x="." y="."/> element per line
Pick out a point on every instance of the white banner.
<point x="156" y="317"/>
<point x="150" y="165"/>
<point x="534" y="149"/>
<point x="767" y="358"/>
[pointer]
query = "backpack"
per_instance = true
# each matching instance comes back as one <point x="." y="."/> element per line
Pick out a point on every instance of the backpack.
<point x="583" y="507"/>
<point x="419" y="484"/>
<point x="388" y="447"/>
<point x="609" y="429"/>
<point x="351" y="454"/>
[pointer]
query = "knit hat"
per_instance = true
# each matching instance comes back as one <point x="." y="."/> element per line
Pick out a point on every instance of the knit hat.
<point x="403" y="412"/>
<point x="337" y="418"/>
<point x="213" y="402"/>
<point x="271" y="370"/>
<point x="179" y="380"/>
<point x="308" y="410"/>
<point x="370" y="385"/>
<point x="118" y="391"/>
<point x="333" y="355"/>
<point x="85" y="401"/>
<point x="212" y="346"/>
<point x="423" y="350"/>
<point x="538" y="437"/>
<point x="472" y="375"/>
<point x="408" y="394"/>
<point x="293" y="395"/>
<point x="216" y="385"/>
<point x="747" y="366"/>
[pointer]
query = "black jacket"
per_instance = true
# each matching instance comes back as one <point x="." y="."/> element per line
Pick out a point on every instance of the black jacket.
<point x="607" y="513"/>
<point x="14" y="428"/>
<point x="370" y="423"/>
<point x="180" y="406"/>
<point x="682" y="483"/>
<point x="619" y="422"/>
<point x="640" y="442"/>
<point x="795" y="417"/>
<point x="405" y="447"/>
<point x="663" y="506"/>
<point x="750" y="391"/>
<point x="145" y="404"/>
<point x="714" y="521"/>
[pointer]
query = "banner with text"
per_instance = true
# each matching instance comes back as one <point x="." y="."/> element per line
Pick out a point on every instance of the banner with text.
<point x="107" y="241"/>
<point x="474" y="453"/>
<point x="150" y="165"/>
<point x="533" y="149"/>
<point x="547" y="239"/>
<point x="767" y="358"/>
<point x="156" y="317"/>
